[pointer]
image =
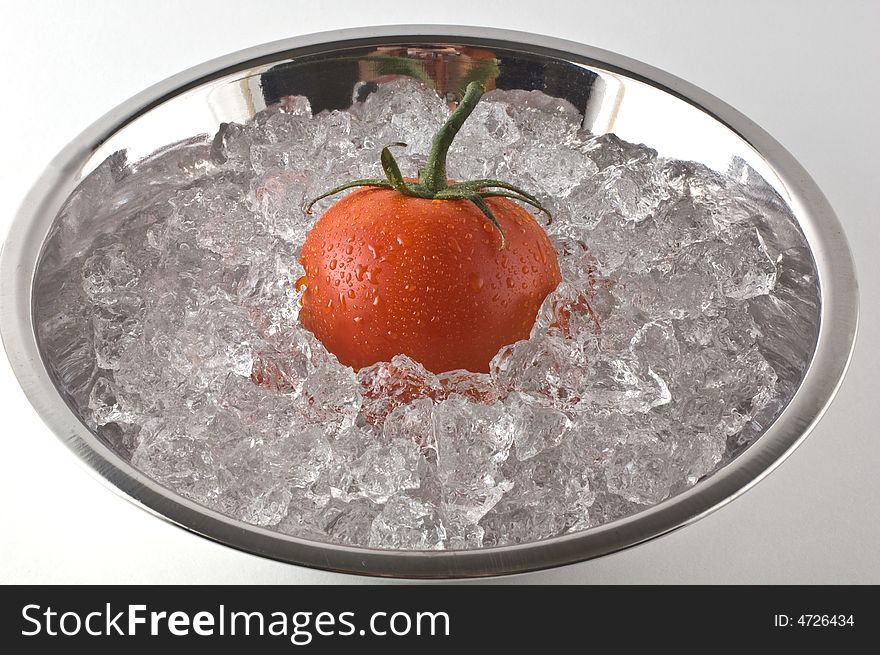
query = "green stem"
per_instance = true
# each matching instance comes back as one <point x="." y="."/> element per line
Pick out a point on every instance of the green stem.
<point x="348" y="185"/>
<point x="516" y="196"/>
<point x="433" y="182"/>
<point x="481" y="204"/>
<point x="434" y="174"/>
<point x="392" y="170"/>
<point x="479" y="185"/>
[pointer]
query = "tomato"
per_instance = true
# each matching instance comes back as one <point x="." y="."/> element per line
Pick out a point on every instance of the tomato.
<point x="446" y="273"/>
<point x="388" y="274"/>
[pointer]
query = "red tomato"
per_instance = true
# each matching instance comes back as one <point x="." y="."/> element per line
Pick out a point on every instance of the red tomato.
<point x="388" y="273"/>
<point x="444" y="272"/>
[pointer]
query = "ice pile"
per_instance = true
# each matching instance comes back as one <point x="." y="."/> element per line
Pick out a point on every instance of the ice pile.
<point x="167" y="311"/>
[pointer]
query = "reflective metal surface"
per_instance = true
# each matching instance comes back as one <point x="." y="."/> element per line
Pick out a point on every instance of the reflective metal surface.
<point x="636" y="102"/>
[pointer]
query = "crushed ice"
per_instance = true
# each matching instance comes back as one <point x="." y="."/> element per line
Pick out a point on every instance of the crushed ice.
<point x="683" y="324"/>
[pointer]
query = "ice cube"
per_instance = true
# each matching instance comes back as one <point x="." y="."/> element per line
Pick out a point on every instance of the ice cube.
<point x="473" y="441"/>
<point x="387" y="385"/>
<point x="407" y="523"/>
<point x="536" y="427"/>
<point x="173" y="458"/>
<point x="403" y="110"/>
<point x="383" y="470"/>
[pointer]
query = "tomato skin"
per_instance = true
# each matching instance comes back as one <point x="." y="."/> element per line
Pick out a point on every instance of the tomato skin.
<point x="388" y="274"/>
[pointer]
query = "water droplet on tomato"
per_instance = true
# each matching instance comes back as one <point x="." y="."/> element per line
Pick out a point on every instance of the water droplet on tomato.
<point x="373" y="275"/>
<point x="372" y="250"/>
<point x="475" y="281"/>
<point x="351" y="293"/>
<point x="453" y="244"/>
<point x="510" y="283"/>
<point x="375" y="301"/>
<point x="301" y="283"/>
<point x="359" y="272"/>
<point x="349" y="250"/>
<point x="332" y="264"/>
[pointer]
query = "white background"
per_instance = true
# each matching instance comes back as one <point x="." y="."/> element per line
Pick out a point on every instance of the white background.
<point x="807" y="72"/>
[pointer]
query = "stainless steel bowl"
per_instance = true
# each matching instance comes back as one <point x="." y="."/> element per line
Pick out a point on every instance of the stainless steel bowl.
<point x="638" y="103"/>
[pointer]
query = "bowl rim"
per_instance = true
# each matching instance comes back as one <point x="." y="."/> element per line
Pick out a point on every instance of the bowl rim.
<point x="836" y="339"/>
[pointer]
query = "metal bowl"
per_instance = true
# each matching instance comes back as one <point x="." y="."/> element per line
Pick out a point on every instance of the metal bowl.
<point x="638" y="103"/>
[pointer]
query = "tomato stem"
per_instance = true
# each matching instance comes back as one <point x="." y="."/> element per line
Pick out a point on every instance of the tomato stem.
<point x="376" y="182"/>
<point x="433" y="182"/>
<point x="434" y="174"/>
<point x="392" y="170"/>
